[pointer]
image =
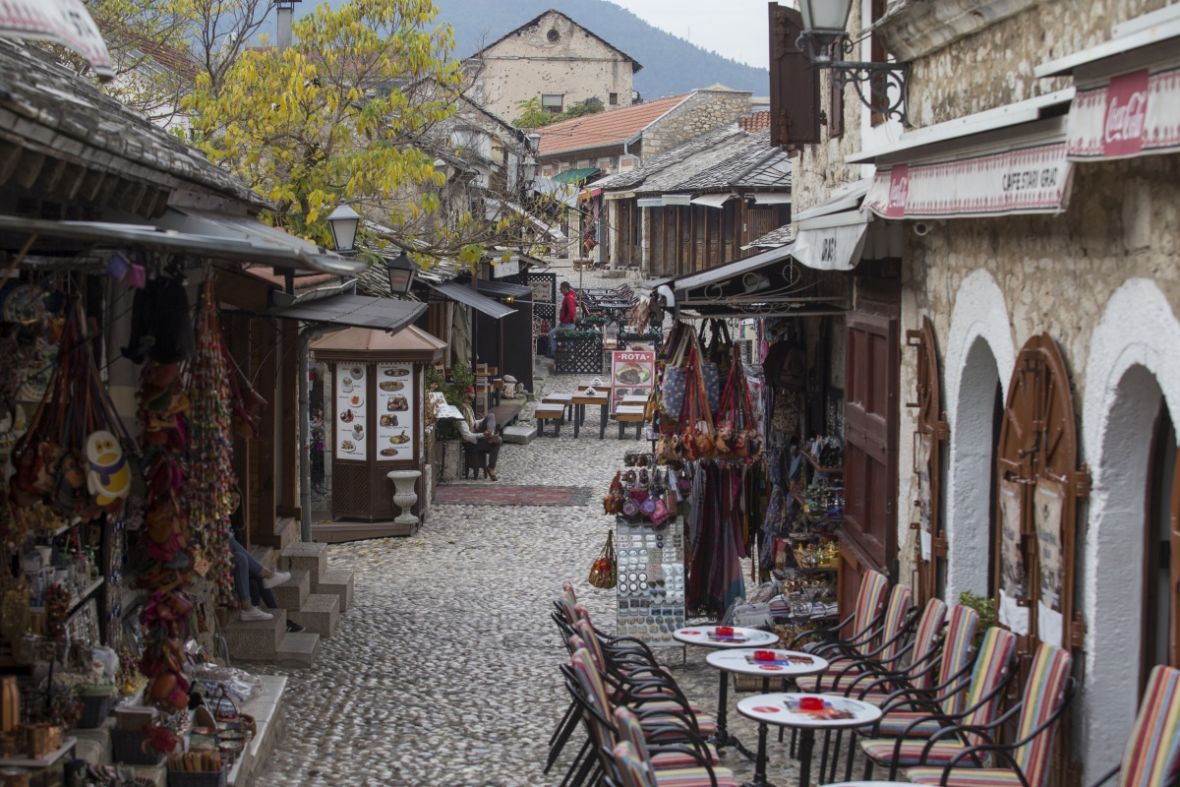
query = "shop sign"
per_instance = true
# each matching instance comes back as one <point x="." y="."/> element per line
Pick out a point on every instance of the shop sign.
<point x="1034" y="179"/>
<point x="65" y="22"/>
<point x="835" y="247"/>
<point x="1132" y="115"/>
<point x="631" y="374"/>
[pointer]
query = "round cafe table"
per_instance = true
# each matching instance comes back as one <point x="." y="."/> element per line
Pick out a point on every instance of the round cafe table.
<point x="707" y="637"/>
<point x="782" y="710"/>
<point x="786" y="664"/>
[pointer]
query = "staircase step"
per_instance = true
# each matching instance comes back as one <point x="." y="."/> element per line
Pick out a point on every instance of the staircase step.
<point x="320" y="613"/>
<point x="292" y="593"/>
<point x="267" y="556"/>
<point x="286" y="531"/>
<point x="337" y="582"/>
<point x="310" y="557"/>
<point x="256" y="641"/>
<point x="299" y="649"/>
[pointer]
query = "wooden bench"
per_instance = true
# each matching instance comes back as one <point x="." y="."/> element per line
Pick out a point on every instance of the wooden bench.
<point x="549" y="412"/>
<point x="630" y="414"/>
<point x="633" y="400"/>
<point x="563" y="399"/>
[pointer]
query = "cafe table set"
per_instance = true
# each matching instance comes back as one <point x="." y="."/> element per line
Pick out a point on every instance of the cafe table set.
<point x="748" y="651"/>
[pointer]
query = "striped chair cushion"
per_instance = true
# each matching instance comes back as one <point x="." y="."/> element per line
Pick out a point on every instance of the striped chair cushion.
<point x="695" y="777"/>
<point x="964" y="777"/>
<point x="666" y="705"/>
<point x="895" y="615"/>
<point x="991" y="667"/>
<point x="631" y="730"/>
<point x="1044" y="691"/>
<point x="669" y="760"/>
<point x="956" y="652"/>
<point x="897" y="722"/>
<point x="634" y="769"/>
<point x="869" y="600"/>
<point x="881" y="750"/>
<point x="706" y="724"/>
<point x="1152" y="755"/>
<point x="926" y="641"/>
<point x="831" y="679"/>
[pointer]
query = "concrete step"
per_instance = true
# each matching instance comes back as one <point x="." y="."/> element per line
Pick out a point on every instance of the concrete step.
<point x="320" y="613"/>
<point x="298" y="649"/>
<point x="519" y="433"/>
<point x="310" y="557"/>
<point x="286" y="532"/>
<point x="292" y="593"/>
<point x="337" y="582"/>
<point x="256" y="641"/>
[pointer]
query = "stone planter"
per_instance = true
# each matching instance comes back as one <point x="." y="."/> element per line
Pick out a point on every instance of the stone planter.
<point x="405" y="496"/>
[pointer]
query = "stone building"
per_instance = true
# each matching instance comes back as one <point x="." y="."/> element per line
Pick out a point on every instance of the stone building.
<point x="554" y="59"/>
<point x="1030" y="214"/>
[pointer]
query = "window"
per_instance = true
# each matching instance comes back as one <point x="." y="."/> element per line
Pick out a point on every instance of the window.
<point x="553" y="36"/>
<point x="613" y="99"/>
<point x="551" y="102"/>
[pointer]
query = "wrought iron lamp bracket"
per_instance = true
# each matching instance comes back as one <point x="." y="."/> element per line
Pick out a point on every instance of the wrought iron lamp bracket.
<point x="889" y="100"/>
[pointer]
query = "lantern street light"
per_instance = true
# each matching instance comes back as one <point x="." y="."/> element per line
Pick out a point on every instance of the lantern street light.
<point x="343" y="223"/>
<point x="825" y="40"/>
<point x="401" y="270"/>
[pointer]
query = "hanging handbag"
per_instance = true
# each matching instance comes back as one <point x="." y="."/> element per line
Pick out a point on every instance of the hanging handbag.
<point x="603" y="571"/>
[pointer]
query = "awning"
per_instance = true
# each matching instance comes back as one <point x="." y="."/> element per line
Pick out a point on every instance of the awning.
<point x="1008" y="171"/>
<point x="665" y="200"/>
<point x="731" y="270"/>
<point x="64" y="22"/>
<point x="831" y="243"/>
<point x="224" y="246"/>
<point x="576" y="176"/>
<point x="1133" y="114"/>
<point x="358" y="311"/>
<point x="771" y="198"/>
<point x="502" y="289"/>
<point x="712" y="200"/>
<point x="844" y="198"/>
<point x="461" y="293"/>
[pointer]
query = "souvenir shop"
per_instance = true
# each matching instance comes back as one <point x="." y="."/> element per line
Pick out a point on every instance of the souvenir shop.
<point x="745" y="477"/>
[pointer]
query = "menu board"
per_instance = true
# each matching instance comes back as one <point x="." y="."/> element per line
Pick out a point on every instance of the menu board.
<point x="352" y="428"/>
<point x="395" y="411"/>
<point x="631" y="374"/>
<point x="651" y="581"/>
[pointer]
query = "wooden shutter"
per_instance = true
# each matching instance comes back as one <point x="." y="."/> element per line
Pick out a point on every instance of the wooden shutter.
<point x="794" y="83"/>
<point x="870" y="436"/>
<point x="930" y="437"/>
<point x="1039" y="448"/>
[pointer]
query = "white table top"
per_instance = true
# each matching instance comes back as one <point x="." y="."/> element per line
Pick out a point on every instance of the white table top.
<point x="742" y="637"/>
<point x="870" y="784"/>
<point x="772" y="709"/>
<point x="741" y="661"/>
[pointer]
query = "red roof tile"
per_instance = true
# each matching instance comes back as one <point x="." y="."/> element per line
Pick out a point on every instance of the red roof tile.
<point x="755" y="122"/>
<point x="613" y="127"/>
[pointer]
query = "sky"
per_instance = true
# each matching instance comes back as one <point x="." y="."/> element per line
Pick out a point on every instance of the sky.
<point x="736" y="29"/>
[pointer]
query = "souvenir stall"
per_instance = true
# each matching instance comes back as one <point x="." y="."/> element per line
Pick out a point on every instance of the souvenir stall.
<point x="374" y="428"/>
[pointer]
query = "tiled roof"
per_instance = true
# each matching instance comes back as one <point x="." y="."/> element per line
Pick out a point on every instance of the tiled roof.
<point x="635" y="65"/>
<point x="773" y="239"/>
<point x="45" y="104"/>
<point x="623" y="181"/>
<point x="603" y="129"/>
<point x="670" y="178"/>
<point x="755" y="165"/>
<point x="755" y="121"/>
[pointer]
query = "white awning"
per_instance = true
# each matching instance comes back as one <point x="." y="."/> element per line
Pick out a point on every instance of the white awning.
<point x="64" y="22"/>
<point x="831" y="243"/>
<point x="731" y="270"/>
<point x="665" y="200"/>
<point x="1022" y="169"/>
<point x="1135" y="114"/>
<point x="844" y="198"/>
<point x="771" y="198"/>
<point x="712" y="200"/>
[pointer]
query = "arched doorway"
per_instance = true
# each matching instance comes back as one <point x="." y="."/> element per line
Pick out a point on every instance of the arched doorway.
<point x="974" y="431"/>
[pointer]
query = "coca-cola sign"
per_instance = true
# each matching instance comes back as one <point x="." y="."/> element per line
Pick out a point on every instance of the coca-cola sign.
<point x="899" y="191"/>
<point x="1126" y="115"/>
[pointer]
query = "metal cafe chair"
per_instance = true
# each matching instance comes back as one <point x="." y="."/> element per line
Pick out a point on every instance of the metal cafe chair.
<point x="1025" y="762"/>
<point x="1152" y="755"/>
<point x="989" y="677"/>
<point x="865" y="618"/>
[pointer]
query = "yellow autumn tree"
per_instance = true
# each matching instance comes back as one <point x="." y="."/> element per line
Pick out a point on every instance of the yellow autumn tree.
<point x="340" y="116"/>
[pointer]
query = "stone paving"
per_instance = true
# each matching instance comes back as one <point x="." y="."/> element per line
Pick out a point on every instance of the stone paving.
<point x="445" y="671"/>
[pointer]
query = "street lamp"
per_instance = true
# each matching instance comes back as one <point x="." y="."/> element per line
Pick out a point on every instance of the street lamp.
<point x="343" y="223"/>
<point x="825" y="40"/>
<point x="401" y="270"/>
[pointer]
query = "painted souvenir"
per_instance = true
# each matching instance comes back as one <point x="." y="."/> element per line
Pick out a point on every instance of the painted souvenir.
<point x="109" y="478"/>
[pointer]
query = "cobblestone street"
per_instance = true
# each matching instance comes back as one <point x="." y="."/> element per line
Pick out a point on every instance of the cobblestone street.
<point x="445" y="671"/>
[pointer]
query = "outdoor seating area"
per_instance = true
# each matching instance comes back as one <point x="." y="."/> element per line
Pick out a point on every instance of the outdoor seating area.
<point x="924" y="694"/>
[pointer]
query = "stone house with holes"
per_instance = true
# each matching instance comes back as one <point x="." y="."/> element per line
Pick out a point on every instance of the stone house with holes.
<point x="555" y="60"/>
<point x="1019" y="233"/>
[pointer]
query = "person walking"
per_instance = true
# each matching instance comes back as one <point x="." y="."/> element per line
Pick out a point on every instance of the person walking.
<point x="567" y="316"/>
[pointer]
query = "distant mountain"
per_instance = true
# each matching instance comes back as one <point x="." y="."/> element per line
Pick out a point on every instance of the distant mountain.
<point x="670" y="65"/>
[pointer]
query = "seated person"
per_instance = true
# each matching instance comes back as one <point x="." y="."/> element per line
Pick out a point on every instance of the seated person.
<point x="253" y="584"/>
<point x="482" y="433"/>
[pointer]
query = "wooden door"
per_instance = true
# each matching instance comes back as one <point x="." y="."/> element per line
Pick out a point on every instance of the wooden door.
<point x="870" y="436"/>
<point x="1174" y="584"/>
<point x="930" y="436"/>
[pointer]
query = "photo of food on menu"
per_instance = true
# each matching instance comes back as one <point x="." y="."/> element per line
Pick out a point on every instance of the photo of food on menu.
<point x="395" y="412"/>
<point x="351" y="412"/>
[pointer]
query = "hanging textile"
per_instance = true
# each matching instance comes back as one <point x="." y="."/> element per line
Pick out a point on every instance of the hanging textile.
<point x="211" y="475"/>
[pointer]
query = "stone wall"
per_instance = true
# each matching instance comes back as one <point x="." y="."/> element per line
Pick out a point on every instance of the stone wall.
<point x="527" y="64"/>
<point x="702" y="112"/>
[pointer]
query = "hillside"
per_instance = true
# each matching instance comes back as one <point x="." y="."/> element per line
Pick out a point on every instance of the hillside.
<point x="670" y="65"/>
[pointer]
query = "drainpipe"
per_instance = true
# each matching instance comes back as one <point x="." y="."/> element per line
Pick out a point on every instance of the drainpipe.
<point x="302" y="356"/>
